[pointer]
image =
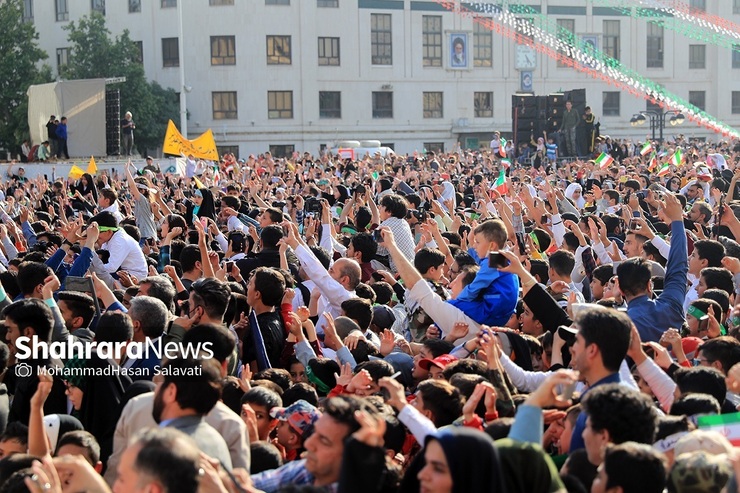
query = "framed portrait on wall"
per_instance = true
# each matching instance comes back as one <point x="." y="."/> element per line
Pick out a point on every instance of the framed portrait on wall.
<point x="458" y="50"/>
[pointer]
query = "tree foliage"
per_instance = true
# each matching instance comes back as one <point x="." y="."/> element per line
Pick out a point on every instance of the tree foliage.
<point x="19" y="66"/>
<point x="95" y="54"/>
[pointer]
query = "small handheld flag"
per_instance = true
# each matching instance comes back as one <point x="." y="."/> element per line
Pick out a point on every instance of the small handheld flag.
<point x="502" y="148"/>
<point x="664" y="169"/>
<point x="646" y="148"/>
<point x="677" y="157"/>
<point x="604" y="160"/>
<point x="500" y="185"/>
<point x="92" y="168"/>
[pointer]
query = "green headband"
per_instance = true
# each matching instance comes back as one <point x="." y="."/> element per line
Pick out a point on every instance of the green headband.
<point x="695" y="312"/>
<point x="320" y="385"/>
<point x="103" y="229"/>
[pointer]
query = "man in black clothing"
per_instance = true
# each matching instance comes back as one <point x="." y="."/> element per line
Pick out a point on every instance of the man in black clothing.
<point x="51" y="133"/>
<point x="264" y="293"/>
<point x="127" y="134"/>
<point x="269" y="254"/>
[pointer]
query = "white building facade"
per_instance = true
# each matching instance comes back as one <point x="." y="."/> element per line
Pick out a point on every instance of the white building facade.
<point x="299" y="74"/>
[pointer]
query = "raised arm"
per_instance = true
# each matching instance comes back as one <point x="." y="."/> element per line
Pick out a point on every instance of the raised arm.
<point x="131" y="182"/>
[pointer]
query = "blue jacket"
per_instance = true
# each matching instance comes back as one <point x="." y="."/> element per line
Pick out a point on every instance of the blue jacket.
<point x="62" y="131"/>
<point x="653" y="317"/>
<point x="491" y="298"/>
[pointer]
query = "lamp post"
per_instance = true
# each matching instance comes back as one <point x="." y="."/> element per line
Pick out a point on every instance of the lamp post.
<point x="657" y="120"/>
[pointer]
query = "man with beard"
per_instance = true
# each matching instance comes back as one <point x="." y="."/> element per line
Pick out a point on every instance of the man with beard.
<point x="187" y="389"/>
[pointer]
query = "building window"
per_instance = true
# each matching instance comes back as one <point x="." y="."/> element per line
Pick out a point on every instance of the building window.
<point x="697" y="56"/>
<point x="650" y="106"/>
<point x="698" y="99"/>
<point x="330" y="104"/>
<point x="223" y="50"/>
<point x="566" y="28"/>
<point x="437" y="147"/>
<point x="735" y="102"/>
<point x="223" y="150"/>
<point x="736" y="7"/>
<point x="282" y="150"/>
<point x="611" y="39"/>
<point x="62" y="58"/>
<point x="134" y="6"/>
<point x="329" y="51"/>
<point x="610" y="103"/>
<point x="167" y="4"/>
<point x="278" y="50"/>
<point x="279" y="104"/>
<point x="327" y="3"/>
<point x="432" y="40"/>
<point x="483" y="103"/>
<point x="27" y="10"/>
<point x="140" y="49"/>
<point x="98" y="6"/>
<point x="215" y="3"/>
<point x="277" y="2"/>
<point x="62" y="10"/>
<point x="224" y="105"/>
<point x="482" y="46"/>
<point x="381" y="39"/>
<point x="383" y="104"/>
<point x="433" y="107"/>
<point x="735" y="56"/>
<point x="170" y="53"/>
<point x="654" y="45"/>
<point x="698" y="5"/>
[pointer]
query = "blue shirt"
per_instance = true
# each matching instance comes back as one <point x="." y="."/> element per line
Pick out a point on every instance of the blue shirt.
<point x="551" y="151"/>
<point x="576" y="440"/>
<point x="294" y="473"/>
<point x="491" y="298"/>
<point x="653" y="317"/>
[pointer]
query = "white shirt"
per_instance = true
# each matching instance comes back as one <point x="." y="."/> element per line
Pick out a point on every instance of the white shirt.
<point x="333" y="293"/>
<point x="125" y="254"/>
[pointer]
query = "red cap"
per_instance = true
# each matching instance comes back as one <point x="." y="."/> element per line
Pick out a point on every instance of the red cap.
<point x="440" y="361"/>
<point x="690" y="345"/>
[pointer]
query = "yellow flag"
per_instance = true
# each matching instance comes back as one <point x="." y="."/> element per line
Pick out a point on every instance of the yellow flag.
<point x="92" y="168"/>
<point x="198" y="183"/>
<point x="202" y="147"/>
<point x="76" y="172"/>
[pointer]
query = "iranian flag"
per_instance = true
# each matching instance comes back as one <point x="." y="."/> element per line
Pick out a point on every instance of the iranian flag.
<point x="665" y="168"/>
<point x="653" y="162"/>
<point x="726" y="424"/>
<point x="506" y="163"/>
<point x="500" y="185"/>
<point x="646" y="148"/>
<point x="677" y="157"/>
<point x="502" y="148"/>
<point x="604" y="160"/>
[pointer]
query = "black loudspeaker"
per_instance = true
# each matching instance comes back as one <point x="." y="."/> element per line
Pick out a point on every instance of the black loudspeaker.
<point x="556" y="100"/>
<point x="113" y="122"/>
<point x="576" y="96"/>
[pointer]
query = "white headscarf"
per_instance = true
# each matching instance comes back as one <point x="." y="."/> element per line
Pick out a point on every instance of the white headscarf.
<point x="580" y="202"/>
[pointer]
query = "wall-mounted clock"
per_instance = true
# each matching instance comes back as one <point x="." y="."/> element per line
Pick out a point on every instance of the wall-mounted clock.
<point x="525" y="58"/>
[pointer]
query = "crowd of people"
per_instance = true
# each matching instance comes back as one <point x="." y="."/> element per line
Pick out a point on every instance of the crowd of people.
<point x="444" y="322"/>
